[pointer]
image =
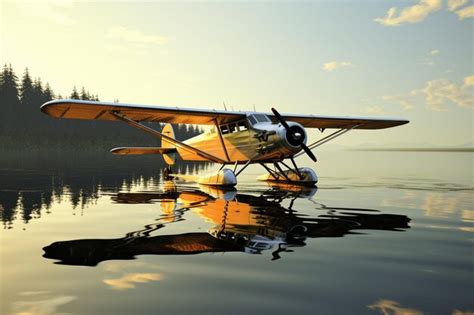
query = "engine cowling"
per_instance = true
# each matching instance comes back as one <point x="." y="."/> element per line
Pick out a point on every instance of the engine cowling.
<point x="300" y="134"/>
<point x="276" y="141"/>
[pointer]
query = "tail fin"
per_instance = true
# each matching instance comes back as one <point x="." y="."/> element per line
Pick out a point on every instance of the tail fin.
<point x="170" y="158"/>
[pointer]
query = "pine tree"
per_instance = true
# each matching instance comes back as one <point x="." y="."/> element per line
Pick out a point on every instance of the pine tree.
<point x="27" y="93"/>
<point x="10" y="102"/>
<point x="38" y="91"/>
<point x="84" y="95"/>
<point x="9" y="86"/>
<point x="191" y="131"/>
<point x="48" y="93"/>
<point x="74" y="94"/>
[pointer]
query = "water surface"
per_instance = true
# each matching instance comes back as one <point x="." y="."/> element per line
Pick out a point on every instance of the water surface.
<point x="383" y="232"/>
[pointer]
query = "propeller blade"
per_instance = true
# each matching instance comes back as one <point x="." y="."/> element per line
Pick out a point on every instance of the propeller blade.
<point x="308" y="152"/>
<point x="281" y="120"/>
<point x="284" y="124"/>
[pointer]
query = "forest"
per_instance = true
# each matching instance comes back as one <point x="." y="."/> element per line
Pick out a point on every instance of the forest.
<point x="24" y="128"/>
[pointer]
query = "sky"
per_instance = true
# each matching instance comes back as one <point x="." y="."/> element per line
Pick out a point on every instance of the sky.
<point x="407" y="59"/>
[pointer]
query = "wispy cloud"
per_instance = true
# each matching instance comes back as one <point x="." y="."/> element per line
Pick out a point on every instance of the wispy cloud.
<point x="463" y="13"/>
<point x="431" y="57"/>
<point x="133" y="50"/>
<point x="439" y="92"/>
<point x="405" y="100"/>
<point x="467" y="12"/>
<point x="437" y="95"/>
<point x="455" y="4"/>
<point x="53" y="10"/>
<point x="412" y="14"/>
<point x="469" y="81"/>
<point x="135" y="36"/>
<point x="374" y="110"/>
<point x="333" y="65"/>
<point x="418" y="12"/>
<point x="129" y="280"/>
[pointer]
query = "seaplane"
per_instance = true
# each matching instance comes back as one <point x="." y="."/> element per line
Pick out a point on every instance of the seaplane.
<point x="235" y="138"/>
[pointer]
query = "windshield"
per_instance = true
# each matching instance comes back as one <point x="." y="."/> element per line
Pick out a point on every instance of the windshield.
<point x="258" y="118"/>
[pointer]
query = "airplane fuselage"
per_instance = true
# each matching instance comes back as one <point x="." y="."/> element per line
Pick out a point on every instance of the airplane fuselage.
<point x="255" y="138"/>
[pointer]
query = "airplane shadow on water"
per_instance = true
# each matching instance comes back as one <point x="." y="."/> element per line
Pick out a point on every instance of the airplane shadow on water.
<point x="242" y="222"/>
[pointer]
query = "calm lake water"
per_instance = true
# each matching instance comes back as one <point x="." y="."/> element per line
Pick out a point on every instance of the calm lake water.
<point x="384" y="233"/>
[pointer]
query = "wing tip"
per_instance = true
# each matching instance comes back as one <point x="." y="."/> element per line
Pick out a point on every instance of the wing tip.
<point x="48" y="105"/>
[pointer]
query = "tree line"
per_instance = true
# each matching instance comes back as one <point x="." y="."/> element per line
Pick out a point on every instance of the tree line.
<point x="76" y="180"/>
<point x="23" y="126"/>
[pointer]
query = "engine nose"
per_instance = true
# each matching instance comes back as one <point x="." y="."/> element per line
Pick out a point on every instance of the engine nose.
<point x="297" y="136"/>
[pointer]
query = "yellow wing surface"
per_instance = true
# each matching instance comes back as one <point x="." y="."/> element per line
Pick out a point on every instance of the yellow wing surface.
<point x="90" y="110"/>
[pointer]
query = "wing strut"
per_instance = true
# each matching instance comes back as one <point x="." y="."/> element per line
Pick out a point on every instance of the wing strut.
<point x="321" y="141"/>
<point x="180" y="144"/>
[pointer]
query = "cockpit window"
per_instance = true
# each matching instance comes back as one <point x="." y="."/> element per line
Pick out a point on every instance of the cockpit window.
<point x="252" y="120"/>
<point x="261" y="118"/>
<point x="242" y="125"/>
<point x="232" y="128"/>
<point x="224" y="129"/>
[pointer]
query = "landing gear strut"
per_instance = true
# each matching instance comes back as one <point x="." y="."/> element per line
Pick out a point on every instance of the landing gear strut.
<point x="167" y="173"/>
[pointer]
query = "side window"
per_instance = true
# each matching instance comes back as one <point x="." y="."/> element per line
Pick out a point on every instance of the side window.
<point x="242" y="125"/>
<point x="261" y="118"/>
<point x="232" y="128"/>
<point x="224" y="129"/>
<point x="252" y="120"/>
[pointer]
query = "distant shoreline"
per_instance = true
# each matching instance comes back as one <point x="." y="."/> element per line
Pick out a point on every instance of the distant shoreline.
<point x="419" y="149"/>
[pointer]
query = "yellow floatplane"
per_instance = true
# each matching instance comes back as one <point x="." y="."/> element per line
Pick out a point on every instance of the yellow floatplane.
<point x="236" y="138"/>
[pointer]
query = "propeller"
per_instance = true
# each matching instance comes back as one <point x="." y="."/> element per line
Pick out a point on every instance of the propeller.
<point x="297" y="138"/>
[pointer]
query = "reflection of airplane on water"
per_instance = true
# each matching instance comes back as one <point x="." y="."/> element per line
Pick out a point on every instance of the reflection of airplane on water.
<point x="240" y="222"/>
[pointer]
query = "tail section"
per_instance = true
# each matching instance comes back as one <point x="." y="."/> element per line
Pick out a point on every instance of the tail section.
<point x="170" y="158"/>
<point x="168" y="149"/>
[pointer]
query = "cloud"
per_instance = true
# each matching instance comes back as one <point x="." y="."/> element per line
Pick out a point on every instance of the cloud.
<point x="132" y="50"/>
<point x="52" y="10"/>
<point x="374" y="110"/>
<point x="333" y="65"/>
<point x="454" y="4"/>
<point x="128" y="280"/>
<point x="431" y="57"/>
<point x="467" y="12"/>
<point x="411" y="14"/>
<point x="441" y="91"/>
<point x="469" y="81"/>
<point x="134" y="36"/>
<point x="438" y="94"/>
<point x="405" y="100"/>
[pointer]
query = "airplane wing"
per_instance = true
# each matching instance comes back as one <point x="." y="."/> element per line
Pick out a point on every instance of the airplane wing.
<point x="91" y="110"/>
<point x="341" y="122"/>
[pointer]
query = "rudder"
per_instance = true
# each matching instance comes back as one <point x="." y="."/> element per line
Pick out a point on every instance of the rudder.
<point x="170" y="158"/>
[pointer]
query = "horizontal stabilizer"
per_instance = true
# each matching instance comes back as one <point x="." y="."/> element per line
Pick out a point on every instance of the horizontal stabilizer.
<point x="141" y="150"/>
